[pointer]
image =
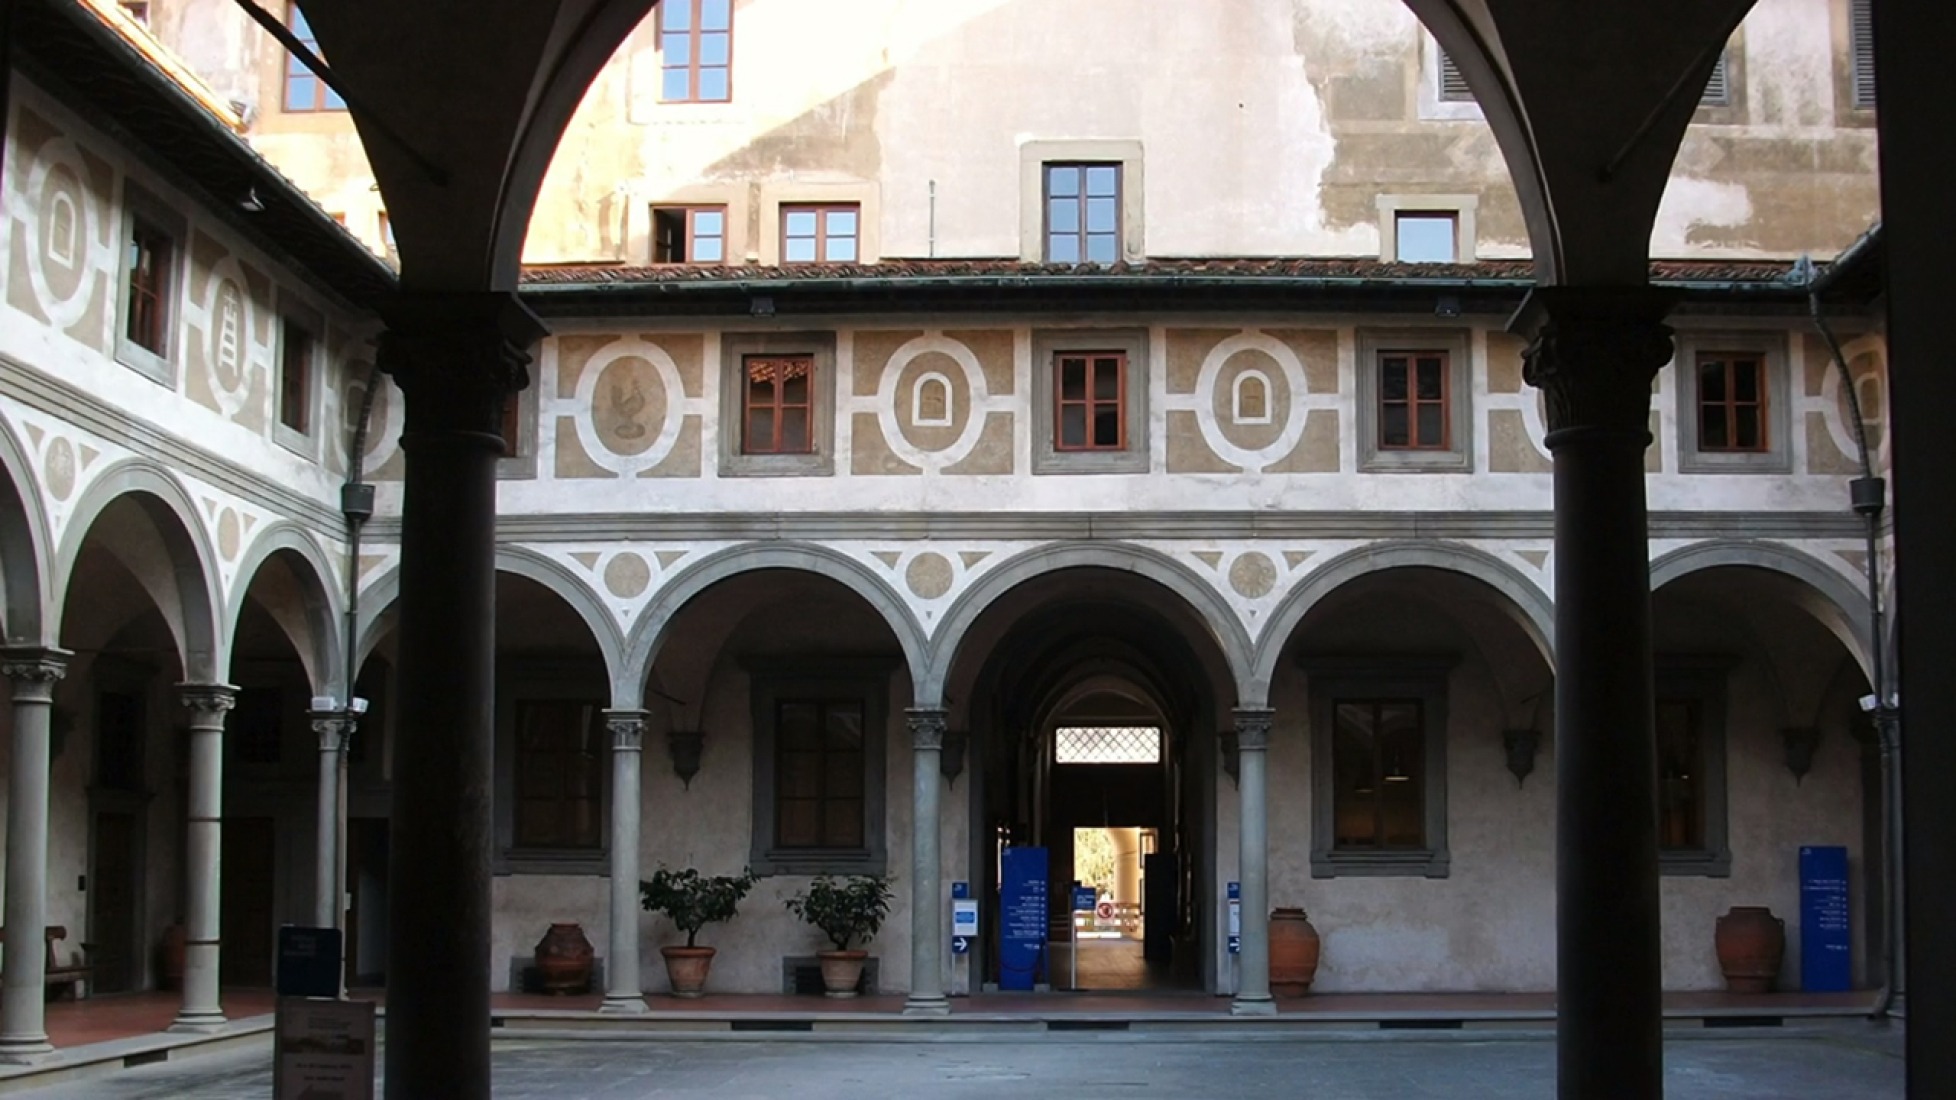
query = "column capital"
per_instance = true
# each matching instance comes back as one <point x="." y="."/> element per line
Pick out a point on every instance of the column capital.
<point x="627" y="729"/>
<point x="34" y="670"/>
<point x="458" y="357"/>
<point x="333" y="727"/>
<point x="208" y="698"/>
<point x="1593" y="352"/>
<point x="927" y="727"/>
<point x="1253" y="728"/>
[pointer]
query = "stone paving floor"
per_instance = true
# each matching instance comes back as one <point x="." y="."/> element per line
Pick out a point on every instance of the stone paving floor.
<point x="1847" y="1061"/>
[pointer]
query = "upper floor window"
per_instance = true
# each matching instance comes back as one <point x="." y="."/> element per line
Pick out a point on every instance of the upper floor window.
<point x="1426" y="236"/>
<point x="1453" y="85"/>
<point x="1860" y="46"/>
<point x="304" y="91"/>
<point x="820" y="233"/>
<point x="1415" y="409"/>
<point x="1718" y="90"/>
<point x="1732" y="412"/>
<point x="296" y="353"/>
<point x="1083" y="213"/>
<point x="1090" y="401"/>
<point x="777" y="404"/>
<point x="1413" y="401"/>
<point x="689" y="234"/>
<point x="559" y="774"/>
<point x="150" y="260"/>
<point x="696" y="48"/>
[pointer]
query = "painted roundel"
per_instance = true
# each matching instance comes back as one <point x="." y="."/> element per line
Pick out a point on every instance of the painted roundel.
<point x="933" y="401"/>
<point x="1251" y="399"/>
<point x="628" y="405"/>
<point x="65" y="219"/>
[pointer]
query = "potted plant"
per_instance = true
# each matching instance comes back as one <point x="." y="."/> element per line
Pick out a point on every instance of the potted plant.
<point x="693" y="901"/>
<point x="848" y="911"/>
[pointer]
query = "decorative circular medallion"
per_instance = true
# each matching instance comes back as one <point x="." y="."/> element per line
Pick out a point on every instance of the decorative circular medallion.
<point x="1253" y="575"/>
<point x="626" y="575"/>
<point x="929" y="575"/>
<point x="61" y="468"/>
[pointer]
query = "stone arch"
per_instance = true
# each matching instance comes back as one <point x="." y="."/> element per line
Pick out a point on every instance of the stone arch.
<point x="24" y="543"/>
<point x="1231" y="639"/>
<point x="1530" y="606"/>
<point x="192" y="605"/>
<point x="1837" y="604"/>
<point x="316" y="632"/>
<point x="648" y="635"/>
<point x="378" y="599"/>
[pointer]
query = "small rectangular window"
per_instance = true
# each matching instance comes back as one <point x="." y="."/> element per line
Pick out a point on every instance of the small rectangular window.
<point x="1732" y="406"/>
<point x="296" y="352"/>
<point x="1718" y="90"/>
<point x="1083" y="213"/>
<point x="304" y="91"/>
<point x="1107" y="745"/>
<point x="826" y="233"/>
<point x="1681" y="776"/>
<point x="777" y="408"/>
<point x="1378" y="794"/>
<point x="819" y="773"/>
<point x="559" y="774"/>
<point x="1453" y="85"/>
<point x="689" y="234"/>
<point x="1414" y="405"/>
<point x="1426" y="237"/>
<point x="1861" y="52"/>
<point x="696" y="51"/>
<point x="1090" y="401"/>
<point x="150" y="260"/>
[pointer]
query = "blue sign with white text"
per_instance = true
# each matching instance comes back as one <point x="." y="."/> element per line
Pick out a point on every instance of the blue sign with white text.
<point x="1826" y="956"/>
<point x="1022" y="919"/>
<point x="1083" y="899"/>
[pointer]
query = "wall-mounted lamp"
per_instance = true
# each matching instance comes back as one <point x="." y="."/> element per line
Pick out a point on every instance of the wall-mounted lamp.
<point x="761" y="305"/>
<point x="1521" y="746"/>
<point x="685" y="748"/>
<point x="1801" y="741"/>
<point x="1231" y="756"/>
<point x="251" y="203"/>
<point x="1446" y="305"/>
<point x="950" y="759"/>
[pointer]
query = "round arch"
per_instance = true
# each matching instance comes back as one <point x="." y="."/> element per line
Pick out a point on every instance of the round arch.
<point x="322" y="648"/>
<point x="1533" y="611"/>
<point x="648" y="635"/>
<point x="1839" y="606"/>
<point x="1208" y="604"/>
<point x="194" y="616"/>
<point x="379" y="598"/>
<point x="24" y="543"/>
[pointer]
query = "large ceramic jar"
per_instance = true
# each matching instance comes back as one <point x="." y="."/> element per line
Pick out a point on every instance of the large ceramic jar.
<point x="1750" y="943"/>
<point x="564" y="959"/>
<point x="1294" y="949"/>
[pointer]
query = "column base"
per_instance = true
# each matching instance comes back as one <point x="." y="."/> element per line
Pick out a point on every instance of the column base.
<point x="25" y="1050"/>
<point x="935" y="1005"/>
<point x="1253" y="1006"/>
<point x="197" y="1023"/>
<point x="619" y="1004"/>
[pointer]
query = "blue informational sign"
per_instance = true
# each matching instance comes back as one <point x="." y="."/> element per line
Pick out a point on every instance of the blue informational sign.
<point x="1235" y="891"/>
<point x="960" y="945"/>
<point x="1083" y="899"/>
<point x="1022" y="919"/>
<point x="1235" y="918"/>
<point x="308" y="962"/>
<point x="1826" y="958"/>
<point x="960" y="891"/>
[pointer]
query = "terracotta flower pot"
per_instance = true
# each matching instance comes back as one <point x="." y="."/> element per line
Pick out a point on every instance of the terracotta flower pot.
<point x="1294" y="951"/>
<point x="686" y="969"/>
<point x="563" y="959"/>
<point x="1750" y="943"/>
<point x="842" y="971"/>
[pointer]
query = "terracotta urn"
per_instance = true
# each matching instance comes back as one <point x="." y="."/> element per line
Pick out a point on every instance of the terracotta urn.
<point x="563" y="959"/>
<point x="1750" y="942"/>
<point x="842" y="971"/>
<point x="1294" y="950"/>
<point x="686" y="969"/>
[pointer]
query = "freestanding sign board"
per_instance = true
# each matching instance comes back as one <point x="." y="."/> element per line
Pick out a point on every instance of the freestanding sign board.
<point x="308" y="962"/>
<point x="1826" y="959"/>
<point x="1235" y="918"/>
<point x="1022" y="919"/>
<point x="323" y="1050"/>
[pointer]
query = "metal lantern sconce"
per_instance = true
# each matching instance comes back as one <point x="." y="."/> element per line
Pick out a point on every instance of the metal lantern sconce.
<point x="1801" y="741"/>
<point x="1521" y="746"/>
<point x="685" y="747"/>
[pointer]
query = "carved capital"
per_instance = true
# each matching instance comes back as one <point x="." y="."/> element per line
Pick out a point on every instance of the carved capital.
<point x="627" y="729"/>
<point x="34" y="670"/>
<point x="208" y="701"/>
<point x="1253" y="728"/>
<point x="927" y="727"/>
<point x="458" y="358"/>
<point x="333" y="728"/>
<point x="1593" y="352"/>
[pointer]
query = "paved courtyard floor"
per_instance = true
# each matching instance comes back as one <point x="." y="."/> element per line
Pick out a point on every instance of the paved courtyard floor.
<point x="1846" y="1061"/>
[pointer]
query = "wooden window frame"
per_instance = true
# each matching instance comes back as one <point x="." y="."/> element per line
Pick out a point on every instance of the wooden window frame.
<point x="1090" y="362"/>
<point x="1700" y="679"/>
<point x="1451" y="217"/>
<point x="1729" y="407"/>
<point x="525" y="774"/>
<point x="1453" y="347"/>
<point x="863" y="679"/>
<point x="319" y="99"/>
<point x="826" y="757"/>
<point x="822" y="210"/>
<point x="1413" y="403"/>
<point x="1420" y="677"/>
<point x="1083" y="235"/>
<point x="778" y="406"/>
<point x="690" y="235"/>
<point x="298" y="349"/>
<point x="150" y="286"/>
<point x="1383" y="770"/>
<point x="693" y="66"/>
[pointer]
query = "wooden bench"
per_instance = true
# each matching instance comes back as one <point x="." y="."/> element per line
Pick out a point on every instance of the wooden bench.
<point x="60" y="977"/>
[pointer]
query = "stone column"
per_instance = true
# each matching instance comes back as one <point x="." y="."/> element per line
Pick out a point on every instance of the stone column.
<point x="623" y="992"/>
<point x="203" y="841"/>
<point x="1594" y="354"/>
<point x="332" y="727"/>
<point x="1253" y="864"/>
<point x="927" y="929"/>
<point x="23" y="1022"/>
<point x="456" y="358"/>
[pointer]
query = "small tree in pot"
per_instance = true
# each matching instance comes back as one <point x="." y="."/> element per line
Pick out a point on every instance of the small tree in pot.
<point x="693" y="901"/>
<point x="848" y="911"/>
